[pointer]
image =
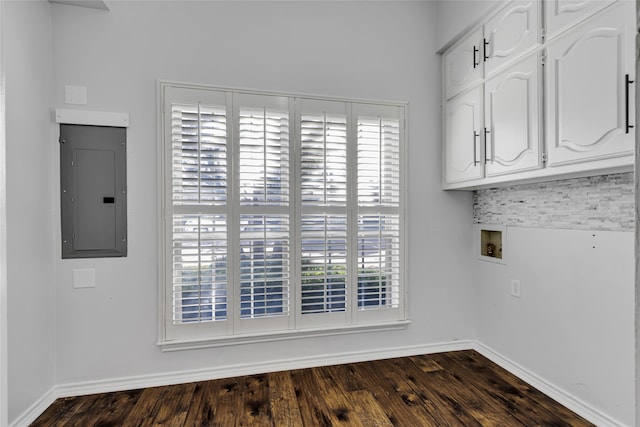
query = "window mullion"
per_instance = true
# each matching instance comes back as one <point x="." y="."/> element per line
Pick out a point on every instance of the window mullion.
<point x="295" y="210"/>
<point x="264" y="154"/>
<point x="233" y="230"/>
<point x="352" y="215"/>
<point x="324" y="160"/>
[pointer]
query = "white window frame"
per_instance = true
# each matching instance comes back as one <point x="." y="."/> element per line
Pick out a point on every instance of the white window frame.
<point x="295" y="325"/>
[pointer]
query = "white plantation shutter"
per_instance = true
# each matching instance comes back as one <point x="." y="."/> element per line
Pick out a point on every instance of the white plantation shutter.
<point x="264" y="208"/>
<point x="264" y="157"/>
<point x="199" y="177"/>
<point x="280" y="214"/>
<point x="264" y="265"/>
<point x="378" y="162"/>
<point x="378" y="261"/>
<point x="378" y="234"/>
<point x="323" y="163"/>
<point x="199" y="152"/>
<point x="199" y="268"/>
<point x="324" y="263"/>
<point x="323" y="225"/>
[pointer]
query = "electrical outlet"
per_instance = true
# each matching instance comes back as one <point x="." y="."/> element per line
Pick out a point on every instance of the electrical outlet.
<point x="515" y="288"/>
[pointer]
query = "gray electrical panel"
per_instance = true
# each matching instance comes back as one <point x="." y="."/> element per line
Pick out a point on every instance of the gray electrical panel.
<point x="93" y="191"/>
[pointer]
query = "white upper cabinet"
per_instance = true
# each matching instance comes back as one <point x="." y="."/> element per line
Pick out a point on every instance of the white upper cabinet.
<point x="512" y="111"/>
<point x="590" y="98"/>
<point x="463" y="132"/>
<point x="560" y="14"/>
<point x="513" y="31"/>
<point x="463" y="64"/>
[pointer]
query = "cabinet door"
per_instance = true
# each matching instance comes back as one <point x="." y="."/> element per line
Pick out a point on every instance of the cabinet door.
<point x="589" y="102"/>
<point x="463" y="123"/>
<point x="512" y="119"/>
<point x="512" y="31"/>
<point x="560" y="14"/>
<point x="463" y="65"/>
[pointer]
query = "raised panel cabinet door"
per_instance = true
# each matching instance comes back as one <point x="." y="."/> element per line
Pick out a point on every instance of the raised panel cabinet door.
<point x="514" y="30"/>
<point x="463" y="64"/>
<point x="590" y="104"/>
<point x="463" y="123"/>
<point x="561" y="14"/>
<point x="512" y="119"/>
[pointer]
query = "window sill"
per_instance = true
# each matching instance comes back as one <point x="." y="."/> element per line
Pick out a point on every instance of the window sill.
<point x="176" y="345"/>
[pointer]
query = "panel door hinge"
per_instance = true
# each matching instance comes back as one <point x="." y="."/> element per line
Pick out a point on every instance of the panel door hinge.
<point x="543" y="34"/>
<point x="543" y="59"/>
<point x="544" y="157"/>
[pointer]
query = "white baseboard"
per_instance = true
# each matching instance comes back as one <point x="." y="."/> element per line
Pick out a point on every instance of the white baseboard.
<point x="561" y="396"/>
<point x="36" y="409"/>
<point x="187" y="376"/>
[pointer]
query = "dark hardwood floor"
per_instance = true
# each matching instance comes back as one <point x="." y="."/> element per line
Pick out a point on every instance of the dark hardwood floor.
<point x="447" y="389"/>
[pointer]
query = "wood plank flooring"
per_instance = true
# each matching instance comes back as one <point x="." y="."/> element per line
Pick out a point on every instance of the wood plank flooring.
<point x="447" y="389"/>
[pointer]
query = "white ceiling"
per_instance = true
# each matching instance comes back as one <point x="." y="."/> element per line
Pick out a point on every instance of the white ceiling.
<point x="93" y="4"/>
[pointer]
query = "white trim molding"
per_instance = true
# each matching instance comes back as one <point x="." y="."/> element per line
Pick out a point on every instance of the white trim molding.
<point x="218" y="372"/>
<point x="92" y="118"/>
<point x="556" y="393"/>
<point x="4" y="331"/>
<point x="35" y="410"/>
<point x="180" y="377"/>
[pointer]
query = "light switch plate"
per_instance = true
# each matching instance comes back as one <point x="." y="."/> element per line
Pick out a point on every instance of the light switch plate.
<point x="84" y="278"/>
<point x="515" y="288"/>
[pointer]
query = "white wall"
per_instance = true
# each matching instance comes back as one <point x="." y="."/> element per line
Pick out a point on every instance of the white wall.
<point x="375" y="50"/>
<point x="573" y="325"/>
<point x="30" y="192"/>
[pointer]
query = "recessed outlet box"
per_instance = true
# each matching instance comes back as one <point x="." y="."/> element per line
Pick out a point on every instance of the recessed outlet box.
<point x="490" y="242"/>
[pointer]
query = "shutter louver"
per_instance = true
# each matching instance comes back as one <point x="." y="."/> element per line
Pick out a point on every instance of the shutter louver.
<point x="264" y="236"/>
<point x="199" y="268"/>
<point x="324" y="263"/>
<point x="264" y="157"/>
<point x="378" y="251"/>
<point x="324" y="160"/>
<point x="323" y="187"/>
<point x="378" y="261"/>
<point x="199" y="178"/>
<point x="264" y="265"/>
<point x="378" y="162"/>
<point x="199" y="152"/>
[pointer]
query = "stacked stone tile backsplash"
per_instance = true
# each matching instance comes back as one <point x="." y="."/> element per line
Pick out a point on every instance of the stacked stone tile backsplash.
<point x="603" y="202"/>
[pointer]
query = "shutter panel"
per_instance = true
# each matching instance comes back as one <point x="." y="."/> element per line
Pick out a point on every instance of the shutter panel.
<point x="199" y="268"/>
<point x="378" y="162"/>
<point x="324" y="263"/>
<point x="199" y="178"/>
<point x="378" y="261"/>
<point x="264" y="157"/>
<point x="323" y="189"/>
<point x="378" y="251"/>
<point x="323" y="160"/>
<point x="199" y="152"/>
<point x="264" y="266"/>
<point x="264" y="211"/>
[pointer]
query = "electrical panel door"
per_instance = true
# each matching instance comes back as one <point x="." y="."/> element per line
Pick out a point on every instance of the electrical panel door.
<point x="93" y="193"/>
